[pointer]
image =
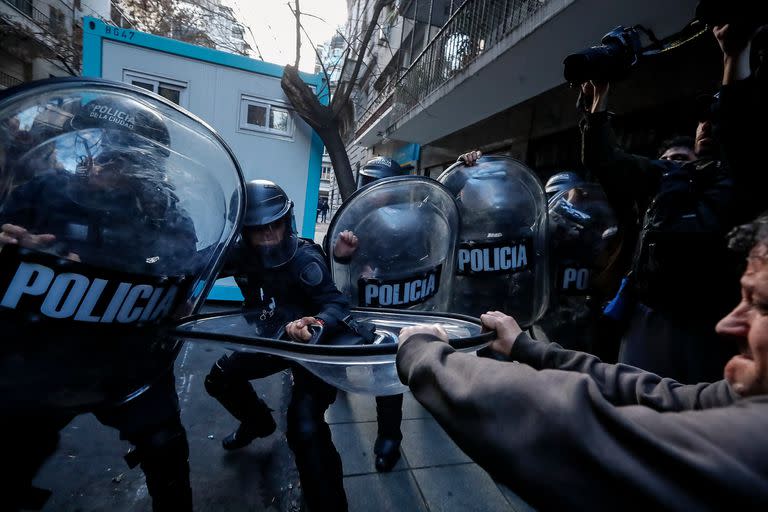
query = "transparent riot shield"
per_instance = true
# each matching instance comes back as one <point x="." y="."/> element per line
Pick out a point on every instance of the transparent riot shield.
<point x="501" y="261"/>
<point x="116" y="207"/>
<point x="364" y="368"/>
<point x="585" y="242"/>
<point x="406" y="237"/>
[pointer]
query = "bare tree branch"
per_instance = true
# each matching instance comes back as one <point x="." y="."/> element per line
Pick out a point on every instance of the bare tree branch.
<point x="297" y="13"/>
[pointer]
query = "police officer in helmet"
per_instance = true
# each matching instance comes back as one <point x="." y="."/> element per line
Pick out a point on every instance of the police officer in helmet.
<point x="561" y="181"/>
<point x="389" y="409"/>
<point x="285" y="278"/>
<point x="114" y="198"/>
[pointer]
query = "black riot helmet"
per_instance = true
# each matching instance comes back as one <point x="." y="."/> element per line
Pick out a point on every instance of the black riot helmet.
<point x="561" y="181"/>
<point x="105" y="126"/>
<point x="269" y="228"/>
<point x="124" y="120"/>
<point x="380" y="167"/>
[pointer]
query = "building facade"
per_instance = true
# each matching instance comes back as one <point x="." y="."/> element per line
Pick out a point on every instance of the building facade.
<point x="43" y="38"/>
<point x="488" y="74"/>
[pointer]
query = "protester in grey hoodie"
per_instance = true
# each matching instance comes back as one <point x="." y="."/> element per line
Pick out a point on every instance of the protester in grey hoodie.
<point x="568" y="432"/>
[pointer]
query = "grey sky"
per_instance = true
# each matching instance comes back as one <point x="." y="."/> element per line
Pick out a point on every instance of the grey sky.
<point x="274" y="27"/>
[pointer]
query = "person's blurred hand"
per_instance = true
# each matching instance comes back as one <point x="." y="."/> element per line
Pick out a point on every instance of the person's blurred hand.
<point x="506" y="329"/>
<point x="470" y="158"/>
<point x="11" y="234"/>
<point x="595" y="95"/>
<point x="298" y="330"/>
<point x="732" y="40"/>
<point x="346" y="245"/>
<point x="433" y="329"/>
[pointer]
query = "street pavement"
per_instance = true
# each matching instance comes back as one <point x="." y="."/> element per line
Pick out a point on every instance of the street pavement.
<point x="88" y="473"/>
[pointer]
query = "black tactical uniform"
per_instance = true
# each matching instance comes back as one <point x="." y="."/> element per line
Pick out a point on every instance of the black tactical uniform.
<point x="299" y="287"/>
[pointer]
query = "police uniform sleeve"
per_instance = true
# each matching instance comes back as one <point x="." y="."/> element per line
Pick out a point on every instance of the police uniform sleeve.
<point x="554" y="438"/>
<point x="329" y="305"/>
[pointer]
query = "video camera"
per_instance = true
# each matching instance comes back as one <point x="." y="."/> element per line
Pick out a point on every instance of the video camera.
<point x="618" y="52"/>
<point x="621" y="48"/>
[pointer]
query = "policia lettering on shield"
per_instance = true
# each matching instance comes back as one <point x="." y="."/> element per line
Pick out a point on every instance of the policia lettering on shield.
<point x="390" y="250"/>
<point x="96" y="255"/>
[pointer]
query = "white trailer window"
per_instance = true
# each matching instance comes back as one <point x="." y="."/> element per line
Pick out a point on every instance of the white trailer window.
<point x="264" y="116"/>
<point x="172" y="90"/>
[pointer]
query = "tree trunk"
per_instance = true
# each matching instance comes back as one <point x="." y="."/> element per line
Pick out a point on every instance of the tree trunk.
<point x="340" y="161"/>
<point x="323" y="120"/>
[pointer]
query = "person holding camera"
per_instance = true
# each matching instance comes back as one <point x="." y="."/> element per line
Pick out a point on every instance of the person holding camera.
<point x="681" y="277"/>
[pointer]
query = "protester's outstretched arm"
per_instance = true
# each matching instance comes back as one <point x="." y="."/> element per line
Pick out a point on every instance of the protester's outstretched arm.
<point x="556" y="440"/>
<point x="618" y="383"/>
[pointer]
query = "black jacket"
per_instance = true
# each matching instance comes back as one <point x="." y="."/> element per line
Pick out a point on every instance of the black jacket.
<point x="681" y="265"/>
<point x="301" y="287"/>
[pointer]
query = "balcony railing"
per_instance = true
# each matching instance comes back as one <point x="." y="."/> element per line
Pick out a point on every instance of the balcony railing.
<point x="471" y="31"/>
<point x="377" y="107"/>
<point x="26" y="7"/>
<point x="7" y="80"/>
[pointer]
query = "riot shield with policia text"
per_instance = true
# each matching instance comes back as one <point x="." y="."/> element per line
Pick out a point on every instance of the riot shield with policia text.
<point x="116" y="207"/>
<point x="406" y="231"/>
<point x="501" y="261"/>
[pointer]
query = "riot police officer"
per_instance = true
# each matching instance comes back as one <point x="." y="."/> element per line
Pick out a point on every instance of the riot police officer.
<point x="389" y="409"/>
<point x="286" y="277"/>
<point x="96" y="253"/>
<point x="561" y="181"/>
<point x="585" y="241"/>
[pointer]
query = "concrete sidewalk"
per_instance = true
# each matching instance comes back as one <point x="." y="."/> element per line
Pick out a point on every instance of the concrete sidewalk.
<point x="433" y="474"/>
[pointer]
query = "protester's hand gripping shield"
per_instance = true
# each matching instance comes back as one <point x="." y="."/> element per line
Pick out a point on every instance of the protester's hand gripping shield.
<point x="116" y="207"/>
<point x="406" y="230"/>
<point x="501" y="261"/>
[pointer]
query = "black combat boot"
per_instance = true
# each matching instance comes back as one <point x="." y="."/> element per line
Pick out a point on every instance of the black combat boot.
<point x="389" y="413"/>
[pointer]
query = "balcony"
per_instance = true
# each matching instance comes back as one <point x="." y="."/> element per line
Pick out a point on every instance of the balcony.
<point x="7" y="81"/>
<point x="494" y="54"/>
<point x="24" y="13"/>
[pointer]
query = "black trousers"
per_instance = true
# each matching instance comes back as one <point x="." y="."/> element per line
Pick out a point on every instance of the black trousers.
<point x="150" y="422"/>
<point x="389" y="414"/>
<point x="308" y="434"/>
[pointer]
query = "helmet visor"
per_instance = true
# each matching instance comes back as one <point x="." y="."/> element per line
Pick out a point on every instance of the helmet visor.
<point x="275" y="243"/>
